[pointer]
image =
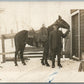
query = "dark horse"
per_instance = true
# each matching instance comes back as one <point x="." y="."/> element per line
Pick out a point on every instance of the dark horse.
<point x="61" y="24"/>
<point x="21" y="39"/>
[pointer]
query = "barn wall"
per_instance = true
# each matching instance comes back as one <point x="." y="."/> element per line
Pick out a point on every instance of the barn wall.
<point x="75" y="32"/>
<point x="75" y="35"/>
<point x="82" y="29"/>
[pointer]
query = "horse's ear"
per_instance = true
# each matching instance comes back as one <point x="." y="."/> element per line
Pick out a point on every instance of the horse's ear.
<point x="59" y="17"/>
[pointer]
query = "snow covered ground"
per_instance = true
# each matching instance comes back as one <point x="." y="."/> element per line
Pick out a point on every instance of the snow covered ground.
<point x="35" y="72"/>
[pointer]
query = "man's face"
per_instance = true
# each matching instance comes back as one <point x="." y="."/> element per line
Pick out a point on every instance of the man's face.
<point x="55" y="28"/>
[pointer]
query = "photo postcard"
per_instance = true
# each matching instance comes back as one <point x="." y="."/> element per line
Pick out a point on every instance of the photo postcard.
<point x="41" y="41"/>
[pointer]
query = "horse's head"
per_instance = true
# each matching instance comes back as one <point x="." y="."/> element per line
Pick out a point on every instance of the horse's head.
<point x="61" y="23"/>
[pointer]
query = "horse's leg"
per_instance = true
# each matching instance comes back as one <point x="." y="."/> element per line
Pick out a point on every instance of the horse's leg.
<point x="45" y="54"/>
<point x="42" y="60"/>
<point x="46" y="58"/>
<point x="43" y="44"/>
<point x="46" y="49"/>
<point x="36" y="44"/>
<point x="46" y="62"/>
<point x="16" y="58"/>
<point x="22" y="58"/>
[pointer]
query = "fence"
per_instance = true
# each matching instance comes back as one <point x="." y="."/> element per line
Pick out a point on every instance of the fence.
<point x="30" y="52"/>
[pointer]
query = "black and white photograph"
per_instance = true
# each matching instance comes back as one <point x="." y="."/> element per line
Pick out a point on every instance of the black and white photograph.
<point x="41" y="41"/>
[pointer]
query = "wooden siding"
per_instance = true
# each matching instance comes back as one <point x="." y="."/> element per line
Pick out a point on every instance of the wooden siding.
<point x="75" y="35"/>
<point x="75" y="31"/>
<point x="82" y="30"/>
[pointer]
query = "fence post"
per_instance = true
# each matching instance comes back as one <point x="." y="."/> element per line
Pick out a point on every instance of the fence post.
<point x="3" y="49"/>
<point x="12" y="39"/>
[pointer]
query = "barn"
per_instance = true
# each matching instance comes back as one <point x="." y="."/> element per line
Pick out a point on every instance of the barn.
<point x="77" y="33"/>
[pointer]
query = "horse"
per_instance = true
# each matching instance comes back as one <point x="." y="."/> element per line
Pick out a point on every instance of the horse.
<point x="21" y="39"/>
<point x="25" y="37"/>
<point x="46" y="54"/>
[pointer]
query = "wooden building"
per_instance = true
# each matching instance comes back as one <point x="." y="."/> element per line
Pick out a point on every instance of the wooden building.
<point x="77" y="33"/>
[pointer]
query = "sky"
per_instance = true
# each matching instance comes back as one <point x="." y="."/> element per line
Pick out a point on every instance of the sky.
<point x="17" y="16"/>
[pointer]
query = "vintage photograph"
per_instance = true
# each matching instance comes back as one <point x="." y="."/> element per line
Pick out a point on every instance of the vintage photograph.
<point x="41" y="41"/>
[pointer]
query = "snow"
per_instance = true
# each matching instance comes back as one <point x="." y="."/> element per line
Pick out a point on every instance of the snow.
<point x="35" y="72"/>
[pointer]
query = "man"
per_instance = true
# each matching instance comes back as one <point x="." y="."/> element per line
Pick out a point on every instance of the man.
<point x="67" y="46"/>
<point x="55" y="44"/>
<point x="43" y="34"/>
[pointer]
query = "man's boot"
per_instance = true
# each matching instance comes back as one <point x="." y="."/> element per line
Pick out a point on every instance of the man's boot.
<point x="59" y="64"/>
<point x="53" y="64"/>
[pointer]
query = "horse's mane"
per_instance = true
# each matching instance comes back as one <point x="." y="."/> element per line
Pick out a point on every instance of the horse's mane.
<point x="50" y="28"/>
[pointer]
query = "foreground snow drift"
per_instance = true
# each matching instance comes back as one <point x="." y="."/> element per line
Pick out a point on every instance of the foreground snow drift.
<point x="35" y="72"/>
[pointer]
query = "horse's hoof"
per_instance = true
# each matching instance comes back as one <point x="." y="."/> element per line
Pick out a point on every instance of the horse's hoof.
<point x="24" y="63"/>
<point x="48" y="65"/>
<point x="60" y="66"/>
<point x="42" y="63"/>
<point x="16" y="64"/>
<point x="53" y="66"/>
